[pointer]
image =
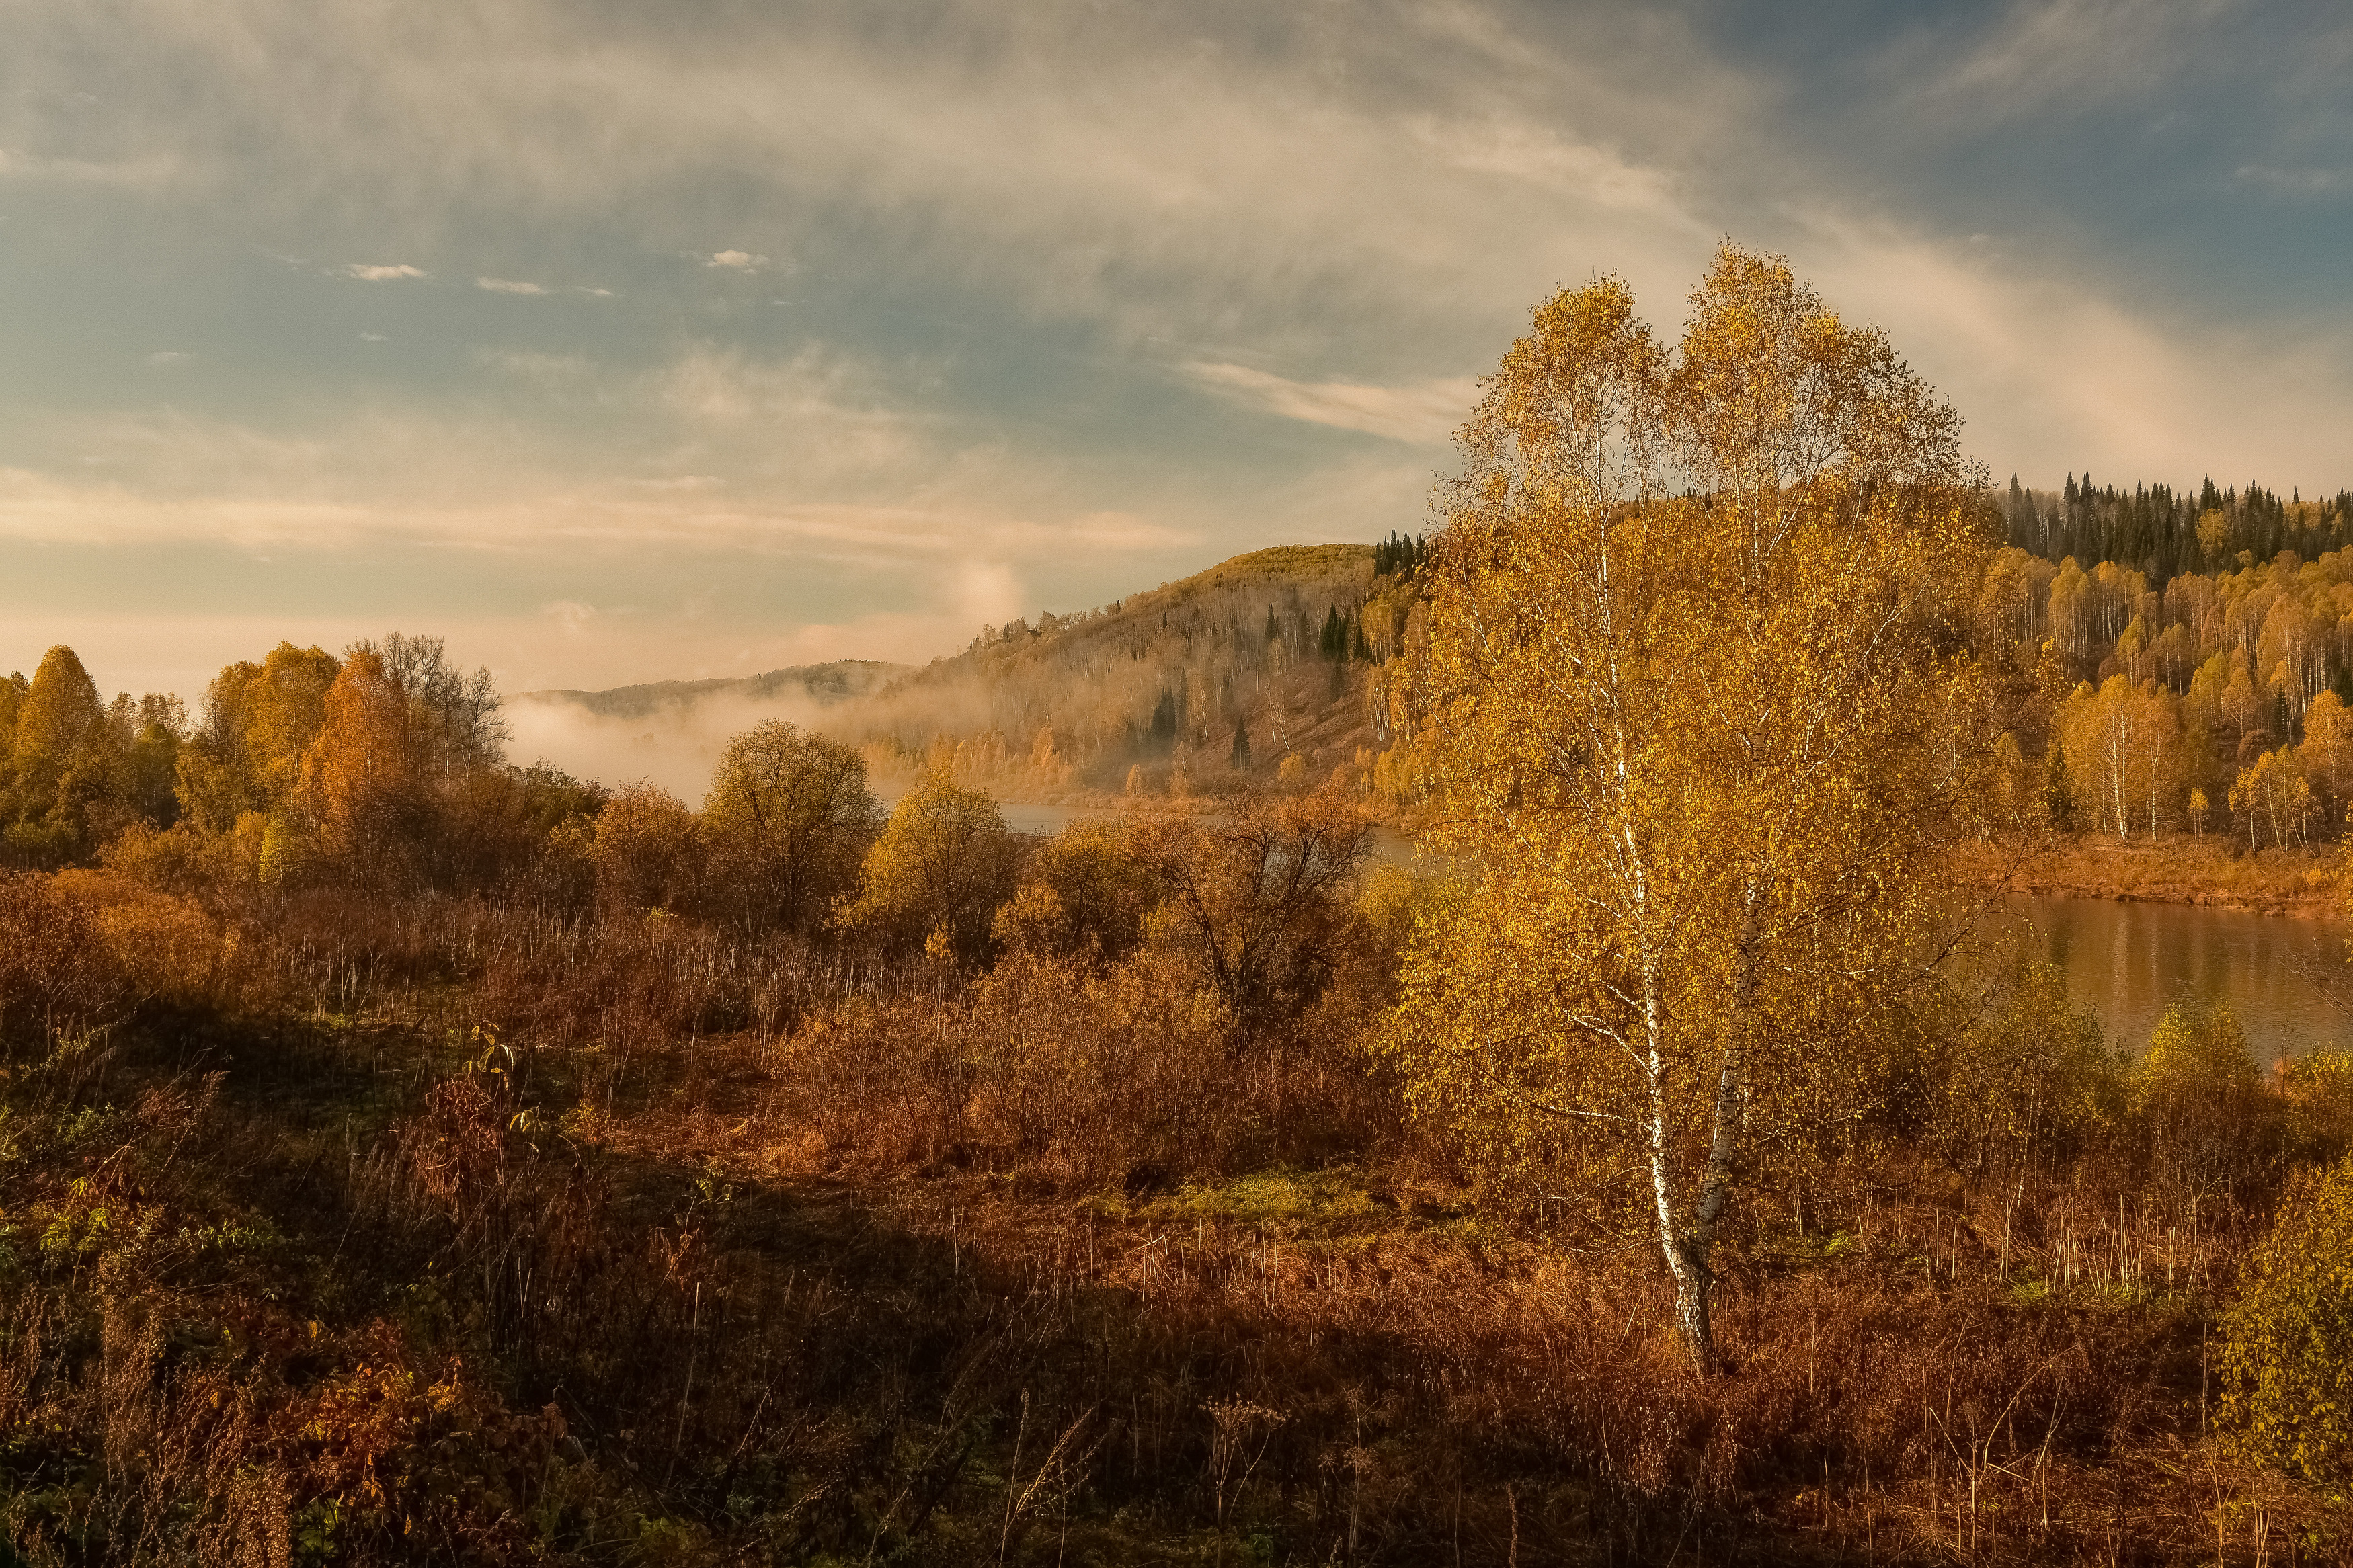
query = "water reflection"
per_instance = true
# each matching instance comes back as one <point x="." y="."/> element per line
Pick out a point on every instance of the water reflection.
<point x="2129" y="961"/>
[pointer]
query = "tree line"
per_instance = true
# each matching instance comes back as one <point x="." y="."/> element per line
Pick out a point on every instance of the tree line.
<point x="410" y="1153"/>
<point x="2162" y="534"/>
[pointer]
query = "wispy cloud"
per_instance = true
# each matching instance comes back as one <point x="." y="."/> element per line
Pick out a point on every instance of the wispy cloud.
<point x="2075" y="53"/>
<point x="572" y="615"/>
<point x="1423" y="414"/>
<point x="2047" y="367"/>
<point x="370" y="272"/>
<point x="169" y="356"/>
<point x="1536" y="154"/>
<point x="522" y="286"/>
<point x="147" y="173"/>
<point x="2305" y="183"/>
<point x="736" y="260"/>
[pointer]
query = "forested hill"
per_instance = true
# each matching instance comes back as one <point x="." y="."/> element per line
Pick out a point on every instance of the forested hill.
<point x="2162" y="534"/>
<point x="1261" y="666"/>
<point x="821" y="683"/>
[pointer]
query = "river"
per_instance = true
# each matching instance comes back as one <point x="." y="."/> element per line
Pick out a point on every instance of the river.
<point x="2128" y="961"/>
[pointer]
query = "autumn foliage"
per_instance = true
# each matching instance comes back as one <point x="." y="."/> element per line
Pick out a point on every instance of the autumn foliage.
<point x="406" y="1156"/>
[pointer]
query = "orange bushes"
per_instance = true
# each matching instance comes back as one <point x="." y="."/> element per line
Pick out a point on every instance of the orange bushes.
<point x="1069" y="1073"/>
<point x="497" y="1228"/>
<point x="56" y="973"/>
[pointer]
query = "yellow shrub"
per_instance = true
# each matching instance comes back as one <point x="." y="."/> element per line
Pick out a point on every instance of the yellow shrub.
<point x="2287" y="1353"/>
<point x="2318" y="1089"/>
<point x="2200" y="1100"/>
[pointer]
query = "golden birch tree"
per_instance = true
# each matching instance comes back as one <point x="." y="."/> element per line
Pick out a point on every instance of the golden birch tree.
<point x="1693" y="672"/>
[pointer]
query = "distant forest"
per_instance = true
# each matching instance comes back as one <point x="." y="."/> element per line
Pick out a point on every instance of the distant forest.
<point x="2162" y="534"/>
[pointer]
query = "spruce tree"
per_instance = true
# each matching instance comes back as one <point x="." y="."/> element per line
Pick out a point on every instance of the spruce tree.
<point x="2056" y="799"/>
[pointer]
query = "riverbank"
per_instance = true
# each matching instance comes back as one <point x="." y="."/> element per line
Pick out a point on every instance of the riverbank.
<point x="1082" y="801"/>
<point x="2175" y="869"/>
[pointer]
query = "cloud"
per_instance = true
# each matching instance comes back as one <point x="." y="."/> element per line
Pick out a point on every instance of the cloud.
<point x="572" y="615"/>
<point x="1424" y="414"/>
<point x="2053" y="377"/>
<point x="2068" y="54"/>
<point x="373" y="338"/>
<point x="553" y="371"/>
<point x="682" y="482"/>
<point x="2305" y="183"/>
<point x="168" y="356"/>
<point x="1536" y="154"/>
<point x="1010" y="231"/>
<point x="148" y="172"/>
<point x="519" y="286"/>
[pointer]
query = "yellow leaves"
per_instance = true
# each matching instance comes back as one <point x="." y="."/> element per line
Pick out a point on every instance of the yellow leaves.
<point x="2277" y="798"/>
<point x="361" y="767"/>
<point x="2288" y="1348"/>
<point x="941" y="865"/>
<point x="1689" y="717"/>
<point x="644" y="849"/>
<point x="2124" y="749"/>
<point x="2196" y="1053"/>
<point x="62" y="706"/>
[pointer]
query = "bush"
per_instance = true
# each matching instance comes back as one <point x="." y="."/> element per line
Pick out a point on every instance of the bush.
<point x="2030" y="1079"/>
<point x="2317" y="1088"/>
<point x="2287" y="1357"/>
<point x="940" y="868"/>
<point x="2199" y="1100"/>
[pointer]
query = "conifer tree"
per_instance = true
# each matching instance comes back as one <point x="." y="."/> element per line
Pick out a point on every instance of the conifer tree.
<point x="2058" y="800"/>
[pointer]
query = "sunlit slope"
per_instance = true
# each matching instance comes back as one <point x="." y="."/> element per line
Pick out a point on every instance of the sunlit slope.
<point x="1163" y="680"/>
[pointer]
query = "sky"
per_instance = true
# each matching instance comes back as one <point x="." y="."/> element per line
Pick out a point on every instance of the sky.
<point x="617" y="343"/>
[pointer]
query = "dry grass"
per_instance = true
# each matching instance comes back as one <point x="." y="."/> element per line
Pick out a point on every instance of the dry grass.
<point x="2174" y="868"/>
<point x="490" y="1231"/>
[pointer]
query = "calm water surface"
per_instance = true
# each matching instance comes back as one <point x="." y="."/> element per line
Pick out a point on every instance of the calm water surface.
<point x="2129" y="961"/>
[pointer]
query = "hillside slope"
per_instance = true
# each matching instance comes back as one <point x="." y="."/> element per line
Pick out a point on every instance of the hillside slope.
<point x="1278" y="646"/>
<point x="1200" y="686"/>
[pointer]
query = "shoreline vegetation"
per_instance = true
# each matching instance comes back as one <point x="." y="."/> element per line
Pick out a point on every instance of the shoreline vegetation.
<point x="2177" y="868"/>
<point x="408" y="1156"/>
